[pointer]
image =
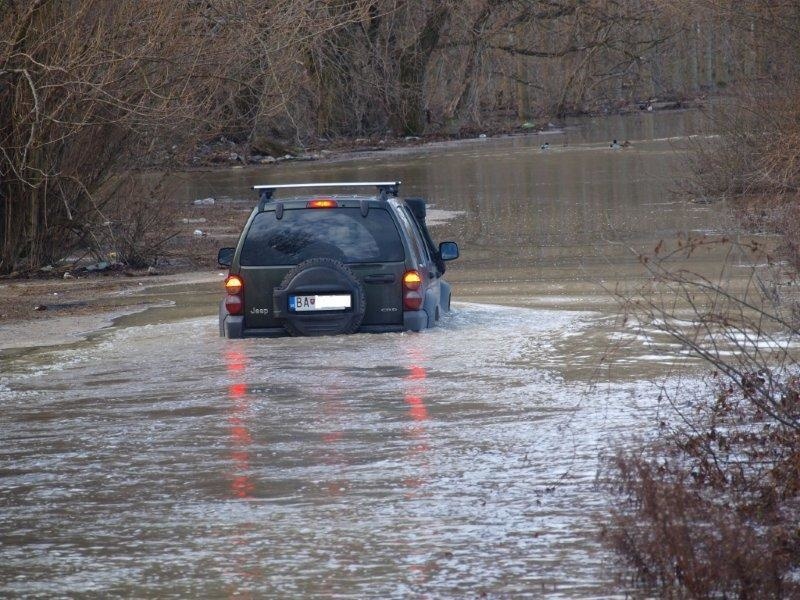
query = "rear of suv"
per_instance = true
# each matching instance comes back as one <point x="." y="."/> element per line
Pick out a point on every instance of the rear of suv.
<point x="334" y="264"/>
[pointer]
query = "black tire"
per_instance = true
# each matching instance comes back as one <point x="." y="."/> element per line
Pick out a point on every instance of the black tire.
<point x="325" y="275"/>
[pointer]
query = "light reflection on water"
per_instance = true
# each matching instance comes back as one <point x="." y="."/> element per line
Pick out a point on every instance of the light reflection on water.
<point x="450" y="462"/>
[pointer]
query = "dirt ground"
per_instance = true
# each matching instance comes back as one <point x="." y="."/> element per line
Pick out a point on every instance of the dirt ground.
<point x="45" y="312"/>
<point x="70" y="290"/>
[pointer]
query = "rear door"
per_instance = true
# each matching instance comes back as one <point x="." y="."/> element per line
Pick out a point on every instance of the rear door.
<point x="261" y="270"/>
<point x="383" y="279"/>
<point x="370" y="245"/>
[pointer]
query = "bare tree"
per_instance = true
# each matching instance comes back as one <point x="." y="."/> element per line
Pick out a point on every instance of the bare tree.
<point x="90" y="89"/>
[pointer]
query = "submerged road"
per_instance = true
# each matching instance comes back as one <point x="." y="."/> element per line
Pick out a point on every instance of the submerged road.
<point x="160" y="460"/>
<point x="157" y="460"/>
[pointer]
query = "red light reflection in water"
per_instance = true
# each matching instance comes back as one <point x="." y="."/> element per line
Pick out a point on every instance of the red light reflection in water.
<point x="417" y="372"/>
<point x="417" y="411"/>
<point x="333" y="410"/>
<point x="237" y="390"/>
<point x="415" y="389"/>
<point x="415" y="384"/>
<point x="235" y="361"/>
<point x="241" y="485"/>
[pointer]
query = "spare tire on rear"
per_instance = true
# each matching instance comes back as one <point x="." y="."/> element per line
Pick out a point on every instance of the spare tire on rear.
<point x="322" y="276"/>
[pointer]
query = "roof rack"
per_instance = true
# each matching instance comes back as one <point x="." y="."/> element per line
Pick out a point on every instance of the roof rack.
<point x="385" y="188"/>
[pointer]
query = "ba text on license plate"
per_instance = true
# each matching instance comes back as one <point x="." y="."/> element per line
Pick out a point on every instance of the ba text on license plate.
<point x="320" y="302"/>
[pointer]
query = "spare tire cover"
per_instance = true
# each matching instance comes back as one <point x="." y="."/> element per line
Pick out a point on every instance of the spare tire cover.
<point x="323" y="276"/>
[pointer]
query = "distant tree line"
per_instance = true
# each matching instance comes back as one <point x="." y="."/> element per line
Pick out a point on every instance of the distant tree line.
<point x="90" y="89"/>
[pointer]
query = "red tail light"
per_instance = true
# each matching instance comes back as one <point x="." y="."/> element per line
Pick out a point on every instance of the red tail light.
<point x="322" y="203"/>
<point x="412" y="298"/>
<point x="233" y="301"/>
<point x="234" y="304"/>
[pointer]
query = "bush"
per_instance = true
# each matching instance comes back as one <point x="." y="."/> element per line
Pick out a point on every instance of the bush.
<point x="141" y="221"/>
<point x="755" y="163"/>
<point x="710" y="507"/>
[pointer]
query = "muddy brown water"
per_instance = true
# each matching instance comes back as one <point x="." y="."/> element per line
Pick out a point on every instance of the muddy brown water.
<point x="155" y="459"/>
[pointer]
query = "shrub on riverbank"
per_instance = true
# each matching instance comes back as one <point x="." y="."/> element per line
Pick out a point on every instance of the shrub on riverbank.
<point x="711" y="509"/>
<point x="710" y="506"/>
<point x="91" y="89"/>
<point x="755" y="163"/>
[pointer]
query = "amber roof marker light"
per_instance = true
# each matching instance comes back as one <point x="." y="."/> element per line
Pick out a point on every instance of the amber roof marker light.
<point x="322" y="203"/>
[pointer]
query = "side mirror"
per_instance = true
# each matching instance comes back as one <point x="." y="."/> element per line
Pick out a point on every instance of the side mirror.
<point x="225" y="256"/>
<point x="448" y="250"/>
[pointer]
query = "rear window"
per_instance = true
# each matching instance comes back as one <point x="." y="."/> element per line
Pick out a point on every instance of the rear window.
<point x="340" y="233"/>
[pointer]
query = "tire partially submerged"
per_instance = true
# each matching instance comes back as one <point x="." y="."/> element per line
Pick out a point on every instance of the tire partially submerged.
<point x="324" y="276"/>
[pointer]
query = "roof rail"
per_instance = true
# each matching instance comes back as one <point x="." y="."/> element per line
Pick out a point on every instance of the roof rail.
<point x="385" y="188"/>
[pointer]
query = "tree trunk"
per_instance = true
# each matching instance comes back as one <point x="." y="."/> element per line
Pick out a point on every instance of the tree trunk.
<point x="408" y="110"/>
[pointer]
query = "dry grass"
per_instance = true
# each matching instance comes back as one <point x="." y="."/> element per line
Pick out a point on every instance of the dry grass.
<point x="775" y="214"/>
<point x="755" y="163"/>
<point x="711" y="509"/>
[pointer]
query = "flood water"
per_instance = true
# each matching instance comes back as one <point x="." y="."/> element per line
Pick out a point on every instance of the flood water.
<point x="155" y="459"/>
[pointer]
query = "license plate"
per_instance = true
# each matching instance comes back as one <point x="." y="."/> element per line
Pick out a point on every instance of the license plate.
<point x="320" y="302"/>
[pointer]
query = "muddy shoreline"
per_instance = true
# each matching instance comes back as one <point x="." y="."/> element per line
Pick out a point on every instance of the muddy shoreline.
<point x="69" y="310"/>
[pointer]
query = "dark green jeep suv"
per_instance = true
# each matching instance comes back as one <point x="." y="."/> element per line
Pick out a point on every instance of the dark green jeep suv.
<point x="324" y="265"/>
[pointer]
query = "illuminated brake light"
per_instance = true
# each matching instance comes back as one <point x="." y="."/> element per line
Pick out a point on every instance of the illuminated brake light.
<point x="322" y="203"/>
<point x="233" y="301"/>
<point x="233" y="284"/>
<point x="412" y="280"/>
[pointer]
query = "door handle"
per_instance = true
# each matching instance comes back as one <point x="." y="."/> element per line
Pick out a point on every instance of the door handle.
<point x="382" y="278"/>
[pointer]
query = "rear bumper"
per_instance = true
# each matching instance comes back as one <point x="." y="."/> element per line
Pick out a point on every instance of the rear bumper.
<point x="415" y="320"/>
<point x="232" y="327"/>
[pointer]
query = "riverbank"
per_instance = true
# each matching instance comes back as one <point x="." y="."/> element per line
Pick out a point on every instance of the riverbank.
<point x="223" y="151"/>
<point x="48" y="312"/>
